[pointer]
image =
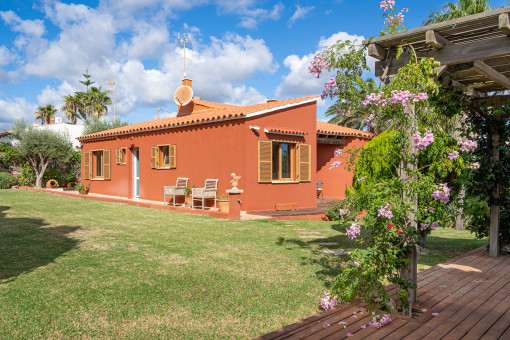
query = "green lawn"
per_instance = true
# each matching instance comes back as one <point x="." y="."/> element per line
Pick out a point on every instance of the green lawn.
<point x="78" y="268"/>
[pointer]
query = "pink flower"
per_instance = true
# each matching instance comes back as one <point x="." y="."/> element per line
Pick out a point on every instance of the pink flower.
<point x="420" y="142"/>
<point x="352" y="232"/>
<point x="468" y="145"/>
<point x="363" y="326"/>
<point x="452" y="155"/>
<point x="337" y="152"/>
<point x="390" y="226"/>
<point x="435" y="314"/>
<point x="331" y="89"/>
<point x="335" y="164"/>
<point x="318" y="64"/>
<point x="348" y="334"/>
<point x="442" y="193"/>
<point x="474" y="166"/>
<point x="385" y="211"/>
<point x="423" y="310"/>
<point x="400" y="231"/>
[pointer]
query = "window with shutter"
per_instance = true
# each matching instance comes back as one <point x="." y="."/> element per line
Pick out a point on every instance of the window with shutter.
<point x="265" y="160"/>
<point x="173" y="156"/>
<point x="87" y="165"/>
<point x="304" y="162"/>
<point x="120" y="156"/>
<point x="154" y="157"/>
<point x="106" y="165"/>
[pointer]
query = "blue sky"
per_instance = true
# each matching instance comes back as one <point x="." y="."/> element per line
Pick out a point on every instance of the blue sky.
<point x="243" y="51"/>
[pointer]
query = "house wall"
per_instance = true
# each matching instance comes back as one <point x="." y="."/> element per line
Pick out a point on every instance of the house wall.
<point x="203" y="151"/>
<point x="264" y="196"/>
<point x="336" y="180"/>
<point x="213" y="150"/>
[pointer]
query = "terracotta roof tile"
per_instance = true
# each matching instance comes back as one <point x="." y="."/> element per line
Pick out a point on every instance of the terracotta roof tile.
<point x="285" y="131"/>
<point x="218" y="111"/>
<point x="323" y="127"/>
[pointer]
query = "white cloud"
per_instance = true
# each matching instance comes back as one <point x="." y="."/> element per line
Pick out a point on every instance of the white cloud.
<point x="50" y="95"/>
<point x="299" y="82"/>
<point x="11" y="110"/>
<point x="6" y="56"/>
<point x="143" y="59"/>
<point x="300" y="13"/>
<point x="250" y="15"/>
<point x="148" y="42"/>
<point x="28" y="27"/>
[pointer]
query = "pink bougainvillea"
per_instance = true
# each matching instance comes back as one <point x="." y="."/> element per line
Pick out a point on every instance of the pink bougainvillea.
<point x="318" y="64"/>
<point x="385" y="211"/>
<point x="442" y="193"/>
<point x="420" y="142"/>
<point x="397" y="97"/>
<point x="353" y="231"/>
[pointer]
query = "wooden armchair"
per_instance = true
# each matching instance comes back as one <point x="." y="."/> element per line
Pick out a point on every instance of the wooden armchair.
<point x="208" y="192"/>
<point x="175" y="191"/>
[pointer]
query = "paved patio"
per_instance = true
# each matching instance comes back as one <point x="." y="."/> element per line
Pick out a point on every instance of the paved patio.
<point x="467" y="297"/>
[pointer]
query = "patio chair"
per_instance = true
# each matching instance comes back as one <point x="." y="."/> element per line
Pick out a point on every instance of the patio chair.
<point x="208" y="192"/>
<point x="319" y="189"/>
<point x="175" y="191"/>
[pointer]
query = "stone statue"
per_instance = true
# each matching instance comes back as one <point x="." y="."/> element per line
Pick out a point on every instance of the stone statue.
<point x="234" y="181"/>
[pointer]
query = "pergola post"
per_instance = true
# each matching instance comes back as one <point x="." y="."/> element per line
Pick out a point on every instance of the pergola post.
<point x="494" y="222"/>
<point x="409" y="164"/>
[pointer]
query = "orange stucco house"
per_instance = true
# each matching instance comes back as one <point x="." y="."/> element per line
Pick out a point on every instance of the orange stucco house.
<point x="278" y="148"/>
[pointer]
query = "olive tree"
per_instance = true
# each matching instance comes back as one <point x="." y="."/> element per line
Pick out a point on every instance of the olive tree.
<point x="40" y="147"/>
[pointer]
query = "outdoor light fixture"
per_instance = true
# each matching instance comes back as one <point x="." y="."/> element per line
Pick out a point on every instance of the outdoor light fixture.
<point x="254" y="127"/>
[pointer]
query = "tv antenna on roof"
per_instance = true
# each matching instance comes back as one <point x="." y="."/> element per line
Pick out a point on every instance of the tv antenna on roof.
<point x="183" y="39"/>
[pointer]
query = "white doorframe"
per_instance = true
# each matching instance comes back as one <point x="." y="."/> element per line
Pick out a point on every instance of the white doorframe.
<point x="136" y="173"/>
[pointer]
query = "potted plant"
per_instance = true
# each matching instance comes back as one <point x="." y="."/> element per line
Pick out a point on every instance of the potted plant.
<point x="222" y="202"/>
<point x="82" y="189"/>
<point x="187" y="193"/>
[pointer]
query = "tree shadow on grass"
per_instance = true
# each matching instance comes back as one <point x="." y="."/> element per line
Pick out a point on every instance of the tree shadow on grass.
<point x="330" y="265"/>
<point x="29" y="243"/>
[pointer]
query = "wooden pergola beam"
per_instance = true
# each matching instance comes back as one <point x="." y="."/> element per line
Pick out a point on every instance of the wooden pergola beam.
<point x="491" y="73"/>
<point x="455" y="54"/>
<point x="420" y="31"/>
<point x="376" y="51"/>
<point x="436" y="40"/>
<point x="504" y="23"/>
<point x="496" y="100"/>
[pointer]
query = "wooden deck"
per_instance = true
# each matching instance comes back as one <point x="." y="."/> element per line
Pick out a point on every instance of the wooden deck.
<point x="469" y="293"/>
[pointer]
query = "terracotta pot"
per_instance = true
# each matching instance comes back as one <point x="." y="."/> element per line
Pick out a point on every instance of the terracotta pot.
<point x="223" y="205"/>
<point x="188" y="200"/>
<point x="68" y="185"/>
<point x="52" y="184"/>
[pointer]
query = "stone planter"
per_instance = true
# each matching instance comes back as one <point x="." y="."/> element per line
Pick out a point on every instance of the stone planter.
<point x="223" y="205"/>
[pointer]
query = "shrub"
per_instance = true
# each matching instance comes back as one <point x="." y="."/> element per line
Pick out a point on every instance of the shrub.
<point x="27" y="177"/>
<point x="54" y="173"/>
<point x="7" y="180"/>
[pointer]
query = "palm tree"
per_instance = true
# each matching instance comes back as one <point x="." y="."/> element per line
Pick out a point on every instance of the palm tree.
<point x="462" y="8"/>
<point x="357" y="117"/>
<point x="45" y="113"/>
<point x="94" y="102"/>
<point x="70" y="106"/>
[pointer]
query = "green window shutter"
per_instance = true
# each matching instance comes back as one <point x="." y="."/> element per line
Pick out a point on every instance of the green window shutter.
<point x="265" y="160"/>
<point x="106" y="165"/>
<point x="304" y="164"/>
